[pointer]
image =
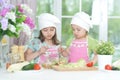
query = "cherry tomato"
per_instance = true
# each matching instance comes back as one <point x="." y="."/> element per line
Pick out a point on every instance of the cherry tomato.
<point x="108" y="67"/>
<point x="37" y="67"/>
<point x="90" y="64"/>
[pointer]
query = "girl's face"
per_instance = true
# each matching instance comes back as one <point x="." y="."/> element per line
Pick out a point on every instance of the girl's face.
<point x="78" y="31"/>
<point x="48" y="32"/>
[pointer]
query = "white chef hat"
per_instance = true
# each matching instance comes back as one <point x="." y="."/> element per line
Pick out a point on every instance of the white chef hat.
<point x="46" y="20"/>
<point x="83" y="20"/>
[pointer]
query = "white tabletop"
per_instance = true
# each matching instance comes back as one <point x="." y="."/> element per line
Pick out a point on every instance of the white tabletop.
<point x="47" y="74"/>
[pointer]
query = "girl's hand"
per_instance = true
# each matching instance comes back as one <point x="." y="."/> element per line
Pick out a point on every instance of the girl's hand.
<point x="61" y="49"/>
<point x="43" y="49"/>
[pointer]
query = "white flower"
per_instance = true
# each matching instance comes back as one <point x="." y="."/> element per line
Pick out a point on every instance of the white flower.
<point x="26" y="8"/>
<point x="12" y="28"/>
<point x="11" y="15"/>
<point x="25" y="28"/>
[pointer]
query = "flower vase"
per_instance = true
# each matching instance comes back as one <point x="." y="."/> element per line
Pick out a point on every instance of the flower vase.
<point x="1" y="38"/>
<point x="1" y="59"/>
<point x="0" y="54"/>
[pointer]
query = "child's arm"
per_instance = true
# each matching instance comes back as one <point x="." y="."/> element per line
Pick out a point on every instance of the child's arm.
<point x="64" y="52"/>
<point x="92" y="43"/>
<point x="95" y="58"/>
<point x="30" y="55"/>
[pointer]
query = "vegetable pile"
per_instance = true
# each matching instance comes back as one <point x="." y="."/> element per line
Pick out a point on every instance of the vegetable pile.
<point x="23" y="66"/>
<point x="80" y="63"/>
<point x="115" y="66"/>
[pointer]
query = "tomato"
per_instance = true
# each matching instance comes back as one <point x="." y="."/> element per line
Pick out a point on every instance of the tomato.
<point x="108" y="67"/>
<point x="37" y="67"/>
<point x="90" y="64"/>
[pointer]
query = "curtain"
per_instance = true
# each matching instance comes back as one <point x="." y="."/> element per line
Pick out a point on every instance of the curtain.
<point x="100" y="17"/>
<point x="96" y="12"/>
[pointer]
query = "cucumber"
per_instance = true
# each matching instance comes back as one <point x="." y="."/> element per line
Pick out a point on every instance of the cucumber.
<point x="28" y="67"/>
<point x="115" y="68"/>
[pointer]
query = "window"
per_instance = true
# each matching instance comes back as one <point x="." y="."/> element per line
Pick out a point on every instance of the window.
<point x="114" y="21"/>
<point x="109" y="10"/>
<point x="69" y="8"/>
<point x="114" y="25"/>
<point x="44" y="6"/>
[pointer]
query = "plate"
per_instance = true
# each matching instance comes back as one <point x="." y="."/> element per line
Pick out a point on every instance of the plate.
<point x="59" y="68"/>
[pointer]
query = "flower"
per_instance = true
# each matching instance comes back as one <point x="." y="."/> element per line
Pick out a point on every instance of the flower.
<point x="13" y="20"/>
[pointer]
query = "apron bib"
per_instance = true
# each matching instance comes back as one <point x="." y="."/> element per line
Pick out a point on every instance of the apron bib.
<point x="78" y="50"/>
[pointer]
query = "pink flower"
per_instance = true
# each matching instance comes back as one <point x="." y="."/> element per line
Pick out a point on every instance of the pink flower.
<point x="29" y="22"/>
<point x="4" y="11"/>
<point x="20" y="9"/>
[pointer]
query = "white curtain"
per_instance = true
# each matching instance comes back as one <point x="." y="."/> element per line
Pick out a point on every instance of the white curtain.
<point x="96" y="12"/>
<point x="100" y="17"/>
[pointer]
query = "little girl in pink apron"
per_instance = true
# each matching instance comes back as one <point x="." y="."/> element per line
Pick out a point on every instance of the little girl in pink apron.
<point x="79" y="46"/>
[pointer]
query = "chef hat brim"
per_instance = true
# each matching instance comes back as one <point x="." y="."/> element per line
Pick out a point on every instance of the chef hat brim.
<point x="83" y="20"/>
<point x="46" y="20"/>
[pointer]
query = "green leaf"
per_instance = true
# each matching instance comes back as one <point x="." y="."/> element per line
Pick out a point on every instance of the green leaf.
<point x="105" y="48"/>
<point x="11" y="22"/>
<point x="11" y="34"/>
<point x="20" y="19"/>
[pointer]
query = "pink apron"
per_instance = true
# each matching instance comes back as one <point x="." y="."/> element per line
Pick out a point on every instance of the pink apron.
<point x="78" y="50"/>
<point x="50" y="55"/>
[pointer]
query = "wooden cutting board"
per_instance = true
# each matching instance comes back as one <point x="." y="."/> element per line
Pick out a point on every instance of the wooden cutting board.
<point x="59" y="68"/>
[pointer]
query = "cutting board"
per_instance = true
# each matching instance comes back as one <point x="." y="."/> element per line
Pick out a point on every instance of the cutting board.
<point x="59" y="68"/>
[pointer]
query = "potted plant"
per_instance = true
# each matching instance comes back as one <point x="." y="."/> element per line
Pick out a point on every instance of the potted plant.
<point x="105" y="50"/>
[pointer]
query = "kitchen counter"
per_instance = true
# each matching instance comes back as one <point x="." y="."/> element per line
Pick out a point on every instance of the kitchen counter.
<point x="49" y="74"/>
